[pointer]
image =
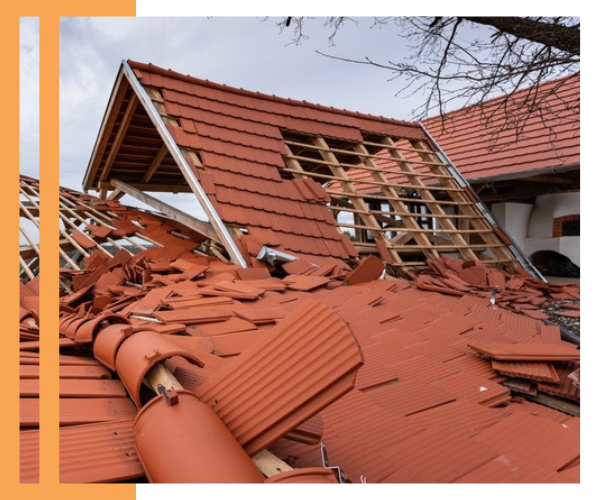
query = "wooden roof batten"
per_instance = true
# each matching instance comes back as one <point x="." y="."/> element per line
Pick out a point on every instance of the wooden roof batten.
<point x="146" y="148"/>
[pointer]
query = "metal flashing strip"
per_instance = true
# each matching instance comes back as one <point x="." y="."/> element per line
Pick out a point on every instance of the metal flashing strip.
<point x="517" y="252"/>
<point x="189" y="176"/>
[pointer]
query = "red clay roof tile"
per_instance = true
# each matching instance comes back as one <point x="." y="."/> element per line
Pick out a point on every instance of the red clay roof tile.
<point x="525" y="435"/>
<point x="480" y="155"/>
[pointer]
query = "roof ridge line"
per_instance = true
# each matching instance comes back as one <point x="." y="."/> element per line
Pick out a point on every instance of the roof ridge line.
<point x="270" y="97"/>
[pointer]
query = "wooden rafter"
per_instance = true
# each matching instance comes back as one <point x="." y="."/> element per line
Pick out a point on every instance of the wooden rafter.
<point x="121" y="131"/>
<point x="357" y="175"/>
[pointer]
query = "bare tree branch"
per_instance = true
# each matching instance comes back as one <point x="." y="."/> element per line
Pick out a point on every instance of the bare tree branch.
<point x="453" y="64"/>
<point x="560" y="36"/>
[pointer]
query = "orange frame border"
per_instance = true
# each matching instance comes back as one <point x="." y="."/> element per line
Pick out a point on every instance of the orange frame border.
<point x="49" y="16"/>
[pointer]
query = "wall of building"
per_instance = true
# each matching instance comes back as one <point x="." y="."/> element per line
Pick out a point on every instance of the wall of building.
<point x="530" y="226"/>
<point x="514" y="219"/>
<point x="547" y="208"/>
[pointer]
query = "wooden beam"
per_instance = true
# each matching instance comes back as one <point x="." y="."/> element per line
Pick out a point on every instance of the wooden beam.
<point x="114" y="105"/>
<point x="197" y="225"/>
<point x="120" y="135"/>
<point x="156" y="188"/>
<point x="556" y="403"/>
<point x="270" y="464"/>
<point x="161" y="375"/>
<point x="153" y="167"/>
<point x="116" y="195"/>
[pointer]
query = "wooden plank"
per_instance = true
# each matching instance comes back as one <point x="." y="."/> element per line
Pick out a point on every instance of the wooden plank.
<point x="116" y="100"/>
<point x="156" y="161"/>
<point x="373" y="171"/>
<point x="351" y="166"/>
<point x="269" y="464"/>
<point x="116" y="195"/>
<point x="187" y="220"/>
<point x="419" y="230"/>
<point x="333" y="193"/>
<point x="556" y="403"/>
<point x="165" y="187"/>
<point x="161" y="375"/>
<point x="344" y="206"/>
<point x="120" y="135"/>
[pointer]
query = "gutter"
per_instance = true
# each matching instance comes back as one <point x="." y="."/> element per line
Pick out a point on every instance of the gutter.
<point x="558" y="169"/>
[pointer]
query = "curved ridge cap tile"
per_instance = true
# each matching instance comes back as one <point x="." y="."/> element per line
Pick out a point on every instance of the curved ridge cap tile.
<point x="188" y="443"/>
<point x="107" y="343"/>
<point x="64" y="321"/>
<point x="140" y="352"/>
<point x="85" y="332"/>
<point x="70" y="328"/>
<point x="308" y="475"/>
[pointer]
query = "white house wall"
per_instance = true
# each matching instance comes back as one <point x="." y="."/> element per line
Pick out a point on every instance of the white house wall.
<point x="549" y="207"/>
<point x="530" y="226"/>
<point x="514" y="219"/>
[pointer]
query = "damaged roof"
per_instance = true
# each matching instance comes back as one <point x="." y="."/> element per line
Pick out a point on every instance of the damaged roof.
<point x="393" y="380"/>
<point x="280" y="173"/>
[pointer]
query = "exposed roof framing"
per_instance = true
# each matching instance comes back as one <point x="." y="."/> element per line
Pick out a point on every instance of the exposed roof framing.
<point x="29" y="210"/>
<point x="91" y="226"/>
<point x="276" y="172"/>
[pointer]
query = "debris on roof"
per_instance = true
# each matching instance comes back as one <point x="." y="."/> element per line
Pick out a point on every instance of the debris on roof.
<point x="519" y="292"/>
<point x="334" y="354"/>
<point x="416" y="351"/>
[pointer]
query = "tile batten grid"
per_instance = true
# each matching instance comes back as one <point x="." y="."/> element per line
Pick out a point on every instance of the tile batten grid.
<point x="525" y="262"/>
<point x="182" y="163"/>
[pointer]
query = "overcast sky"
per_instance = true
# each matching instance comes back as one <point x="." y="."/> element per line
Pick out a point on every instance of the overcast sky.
<point x="243" y="52"/>
<point x="247" y="52"/>
<point x="29" y="95"/>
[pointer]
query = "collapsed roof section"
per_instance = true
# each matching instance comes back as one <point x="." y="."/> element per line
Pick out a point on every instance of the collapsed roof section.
<point x="92" y="229"/>
<point x="280" y="173"/>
